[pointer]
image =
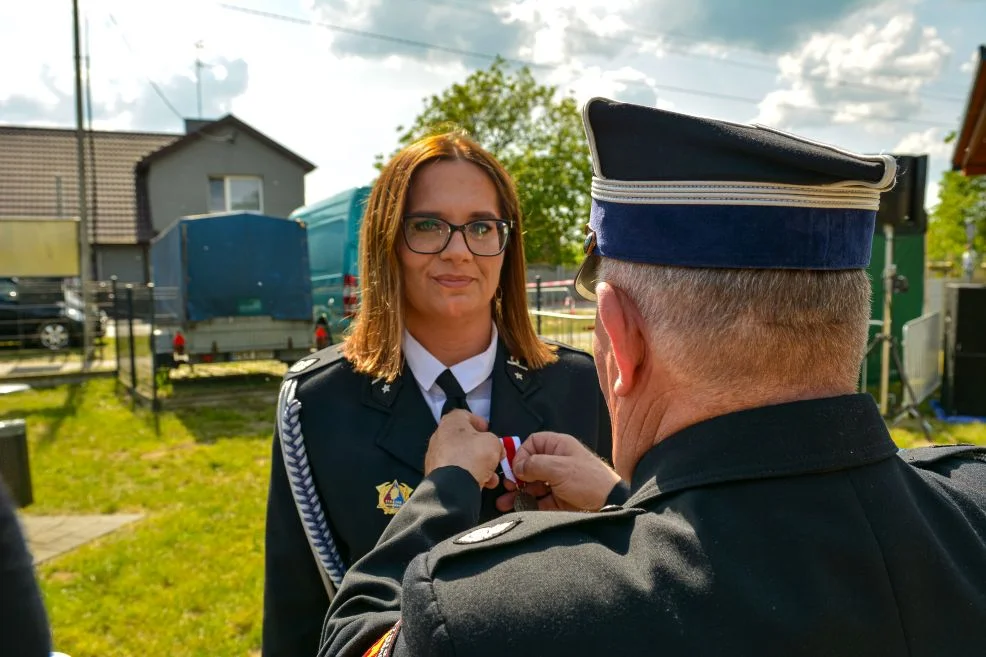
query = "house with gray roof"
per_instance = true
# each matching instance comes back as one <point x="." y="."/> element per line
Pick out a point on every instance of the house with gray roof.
<point x="141" y="182"/>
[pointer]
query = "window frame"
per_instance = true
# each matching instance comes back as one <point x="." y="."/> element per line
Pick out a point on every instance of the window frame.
<point x="226" y="196"/>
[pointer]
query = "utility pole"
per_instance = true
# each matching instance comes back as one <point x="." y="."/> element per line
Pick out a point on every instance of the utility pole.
<point x="84" y="264"/>
<point x="198" y="76"/>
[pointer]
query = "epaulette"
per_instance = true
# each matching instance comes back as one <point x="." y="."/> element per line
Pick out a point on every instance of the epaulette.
<point x="519" y="527"/>
<point x="567" y="348"/>
<point x="919" y="456"/>
<point x="318" y="360"/>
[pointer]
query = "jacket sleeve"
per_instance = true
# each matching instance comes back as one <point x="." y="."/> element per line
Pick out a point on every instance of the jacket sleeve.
<point x="295" y="599"/>
<point x="369" y="602"/>
<point x="23" y="621"/>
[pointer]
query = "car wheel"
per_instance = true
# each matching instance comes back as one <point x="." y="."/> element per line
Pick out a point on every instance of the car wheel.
<point x="53" y="335"/>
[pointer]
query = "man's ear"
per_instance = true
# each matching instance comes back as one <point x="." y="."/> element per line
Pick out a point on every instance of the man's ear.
<point x="624" y="327"/>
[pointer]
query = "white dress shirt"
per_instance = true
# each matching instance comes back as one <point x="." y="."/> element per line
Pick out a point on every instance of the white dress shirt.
<point x="473" y="374"/>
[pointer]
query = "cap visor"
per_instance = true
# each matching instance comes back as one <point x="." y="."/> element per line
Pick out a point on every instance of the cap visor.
<point x="586" y="278"/>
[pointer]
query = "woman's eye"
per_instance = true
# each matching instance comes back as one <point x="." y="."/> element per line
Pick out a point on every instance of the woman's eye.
<point x="425" y="226"/>
<point x="481" y="228"/>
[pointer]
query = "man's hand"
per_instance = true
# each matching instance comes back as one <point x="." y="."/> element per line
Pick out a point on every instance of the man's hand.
<point x="461" y="440"/>
<point x="562" y="473"/>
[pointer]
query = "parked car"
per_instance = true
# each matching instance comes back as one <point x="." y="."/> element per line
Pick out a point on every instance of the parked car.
<point x="44" y="313"/>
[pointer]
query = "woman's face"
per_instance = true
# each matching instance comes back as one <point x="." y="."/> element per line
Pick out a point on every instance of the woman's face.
<point x="454" y="284"/>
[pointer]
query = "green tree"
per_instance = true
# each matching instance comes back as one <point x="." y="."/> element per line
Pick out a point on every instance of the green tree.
<point x="959" y="198"/>
<point x="537" y="134"/>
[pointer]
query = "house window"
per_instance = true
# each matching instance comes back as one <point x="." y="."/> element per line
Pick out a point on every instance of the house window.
<point x="235" y="193"/>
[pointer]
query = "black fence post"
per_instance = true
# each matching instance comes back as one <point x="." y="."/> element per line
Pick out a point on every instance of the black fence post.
<point x="130" y="337"/>
<point x="116" y="322"/>
<point x="537" y="301"/>
<point x="150" y="339"/>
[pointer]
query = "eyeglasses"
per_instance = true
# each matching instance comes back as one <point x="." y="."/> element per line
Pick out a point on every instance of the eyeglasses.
<point x="429" y="235"/>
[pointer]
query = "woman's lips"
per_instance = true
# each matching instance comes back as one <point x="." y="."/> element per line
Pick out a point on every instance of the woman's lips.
<point x="453" y="281"/>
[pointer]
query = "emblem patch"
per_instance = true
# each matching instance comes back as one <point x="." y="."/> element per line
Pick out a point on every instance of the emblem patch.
<point x="486" y="533"/>
<point x="392" y="495"/>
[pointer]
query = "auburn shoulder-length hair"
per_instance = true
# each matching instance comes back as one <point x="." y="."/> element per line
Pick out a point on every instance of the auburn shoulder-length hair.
<point x="373" y="344"/>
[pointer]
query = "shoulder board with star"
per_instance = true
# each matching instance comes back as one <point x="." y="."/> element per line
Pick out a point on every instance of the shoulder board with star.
<point x="316" y="361"/>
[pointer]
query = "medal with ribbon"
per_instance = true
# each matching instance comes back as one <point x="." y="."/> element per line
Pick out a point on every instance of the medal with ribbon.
<point x="523" y="501"/>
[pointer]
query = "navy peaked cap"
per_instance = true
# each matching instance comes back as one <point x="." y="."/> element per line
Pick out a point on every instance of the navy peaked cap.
<point x="679" y="190"/>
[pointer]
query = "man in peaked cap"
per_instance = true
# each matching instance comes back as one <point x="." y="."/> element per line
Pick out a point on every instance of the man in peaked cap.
<point x="758" y="505"/>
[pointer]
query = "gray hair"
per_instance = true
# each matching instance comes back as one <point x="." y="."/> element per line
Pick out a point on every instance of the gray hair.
<point x="783" y="327"/>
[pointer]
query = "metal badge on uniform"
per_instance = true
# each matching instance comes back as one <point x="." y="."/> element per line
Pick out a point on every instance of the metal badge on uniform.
<point x="518" y="373"/>
<point x="384" y="393"/>
<point x="392" y="495"/>
<point x="486" y="533"/>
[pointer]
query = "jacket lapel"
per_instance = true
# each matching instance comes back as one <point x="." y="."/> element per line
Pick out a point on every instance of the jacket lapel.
<point x="405" y="433"/>
<point x="514" y="388"/>
<point x="410" y="423"/>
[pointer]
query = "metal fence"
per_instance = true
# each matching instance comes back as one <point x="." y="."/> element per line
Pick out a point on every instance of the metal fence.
<point x="134" y="325"/>
<point x="922" y="346"/>
<point x="573" y="329"/>
<point x="42" y="327"/>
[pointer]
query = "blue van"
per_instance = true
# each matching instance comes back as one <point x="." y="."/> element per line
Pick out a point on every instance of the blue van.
<point x="333" y="255"/>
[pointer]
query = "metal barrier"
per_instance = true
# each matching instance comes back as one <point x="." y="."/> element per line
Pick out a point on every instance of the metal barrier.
<point x="922" y="340"/>
<point x="572" y="329"/>
<point x="134" y="324"/>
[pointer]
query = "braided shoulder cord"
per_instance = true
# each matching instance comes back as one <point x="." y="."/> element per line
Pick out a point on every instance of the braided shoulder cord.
<point x="303" y="484"/>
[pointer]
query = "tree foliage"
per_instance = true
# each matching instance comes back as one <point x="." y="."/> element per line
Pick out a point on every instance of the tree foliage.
<point x="537" y="134"/>
<point x="959" y="198"/>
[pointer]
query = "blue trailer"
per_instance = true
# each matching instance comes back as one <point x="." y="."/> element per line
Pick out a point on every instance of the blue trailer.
<point x="231" y="287"/>
<point x="333" y="247"/>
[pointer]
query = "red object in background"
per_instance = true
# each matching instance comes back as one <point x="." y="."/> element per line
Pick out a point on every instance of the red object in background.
<point x="178" y="343"/>
<point x="321" y="337"/>
<point x="350" y="290"/>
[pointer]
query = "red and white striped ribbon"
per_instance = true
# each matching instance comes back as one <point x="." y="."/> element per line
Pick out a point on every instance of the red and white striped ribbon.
<point x="510" y="444"/>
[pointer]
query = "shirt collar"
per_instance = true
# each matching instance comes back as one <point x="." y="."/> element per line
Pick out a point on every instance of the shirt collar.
<point x="469" y="373"/>
<point x="800" y="437"/>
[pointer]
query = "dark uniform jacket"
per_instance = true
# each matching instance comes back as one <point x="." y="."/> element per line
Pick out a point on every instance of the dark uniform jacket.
<point x="23" y="621"/>
<point x="356" y="449"/>
<point x="796" y="529"/>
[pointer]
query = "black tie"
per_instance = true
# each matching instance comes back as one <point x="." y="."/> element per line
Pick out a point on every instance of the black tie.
<point x="454" y="396"/>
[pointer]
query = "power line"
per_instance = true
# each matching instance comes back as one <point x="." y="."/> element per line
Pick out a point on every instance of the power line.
<point x="534" y="65"/>
<point x="153" y="84"/>
<point x="702" y="40"/>
<point x="377" y="36"/>
<point x="697" y="55"/>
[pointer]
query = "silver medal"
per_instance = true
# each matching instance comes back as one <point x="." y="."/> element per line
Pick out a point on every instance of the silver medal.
<point x="525" y="502"/>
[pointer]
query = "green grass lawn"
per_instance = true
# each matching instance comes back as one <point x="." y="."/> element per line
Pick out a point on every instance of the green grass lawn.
<point x="188" y="579"/>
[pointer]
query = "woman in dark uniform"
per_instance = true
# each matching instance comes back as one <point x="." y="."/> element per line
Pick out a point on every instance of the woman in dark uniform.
<point x="442" y="324"/>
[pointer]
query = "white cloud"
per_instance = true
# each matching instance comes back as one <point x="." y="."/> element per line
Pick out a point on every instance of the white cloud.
<point x="929" y="142"/>
<point x="870" y="75"/>
<point x="626" y="83"/>
<point x="969" y="65"/>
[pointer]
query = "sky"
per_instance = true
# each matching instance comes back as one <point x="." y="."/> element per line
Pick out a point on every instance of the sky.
<point x="333" y="80"/>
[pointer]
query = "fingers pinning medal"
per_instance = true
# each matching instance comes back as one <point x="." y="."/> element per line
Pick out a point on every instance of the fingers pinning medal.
<point x="524" y="501"/>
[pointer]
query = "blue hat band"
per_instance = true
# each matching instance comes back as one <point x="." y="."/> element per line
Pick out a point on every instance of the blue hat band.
<point x="734" y="236"/>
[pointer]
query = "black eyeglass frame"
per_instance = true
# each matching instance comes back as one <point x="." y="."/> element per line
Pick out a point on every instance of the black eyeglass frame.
<point x="458" y="228"/>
